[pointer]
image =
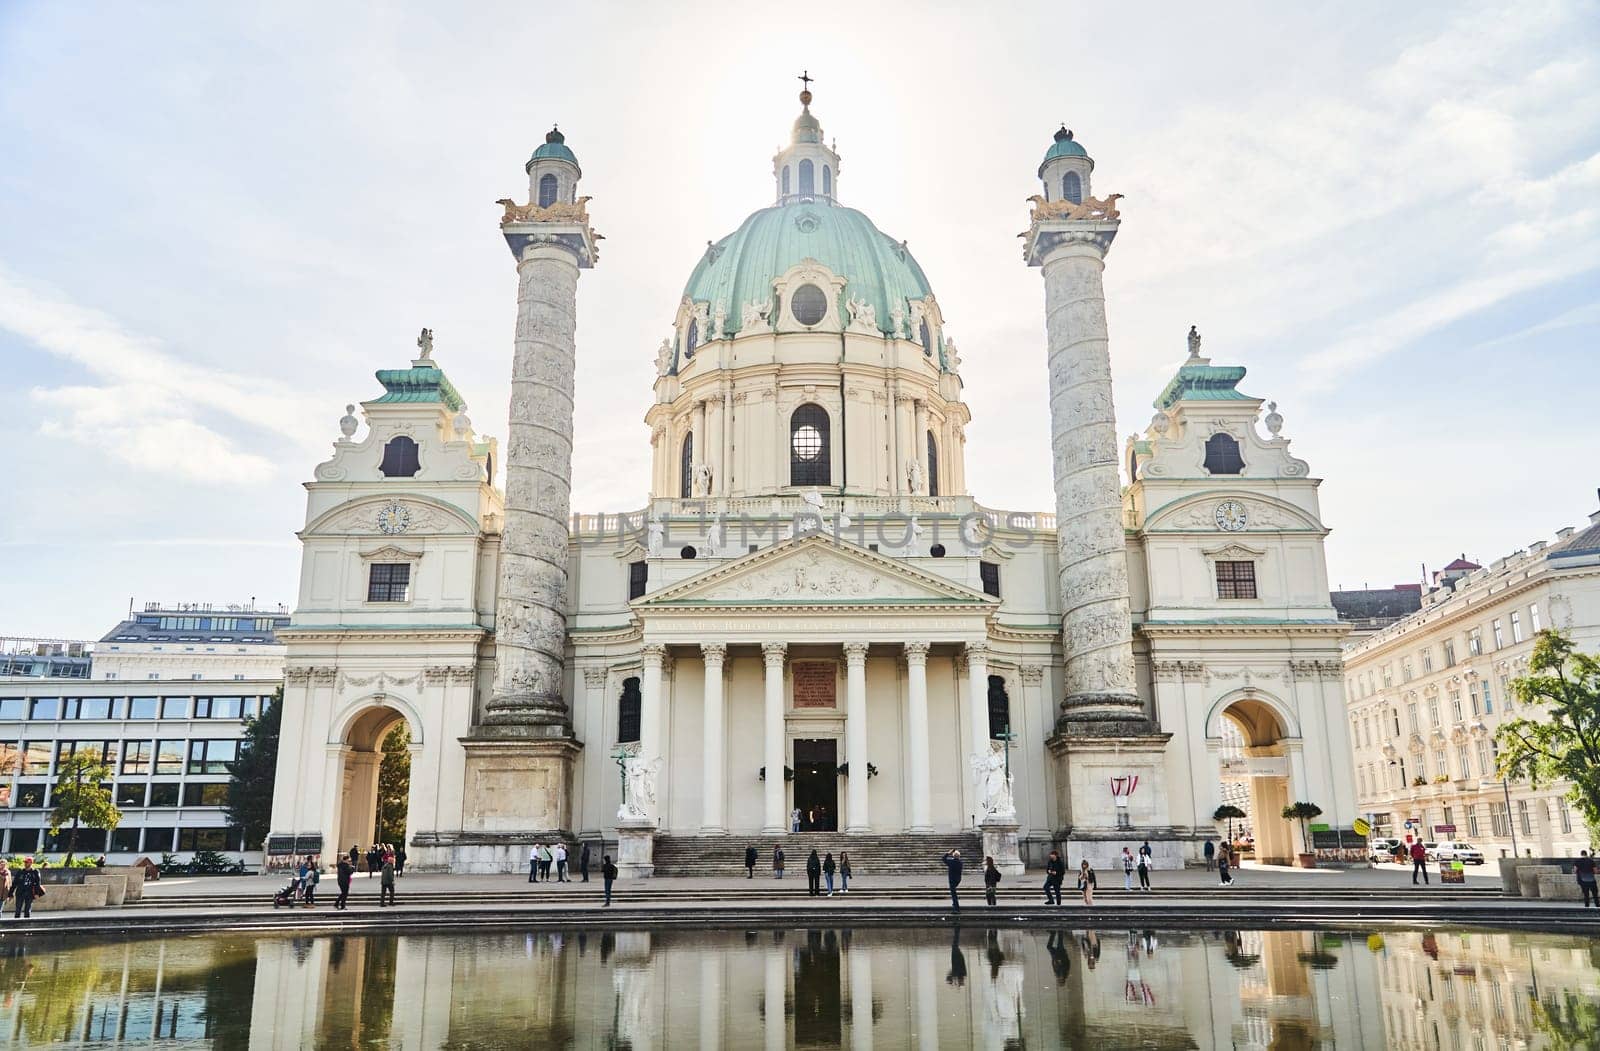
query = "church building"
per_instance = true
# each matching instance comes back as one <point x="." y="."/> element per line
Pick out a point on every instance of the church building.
<point x="813" y="628"/>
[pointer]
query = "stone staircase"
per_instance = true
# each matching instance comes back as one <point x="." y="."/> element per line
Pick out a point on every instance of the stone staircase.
<point x="870" y="855"/>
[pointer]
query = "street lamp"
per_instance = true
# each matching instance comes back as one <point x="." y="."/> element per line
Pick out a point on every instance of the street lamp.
<point x="1505" y="786"/>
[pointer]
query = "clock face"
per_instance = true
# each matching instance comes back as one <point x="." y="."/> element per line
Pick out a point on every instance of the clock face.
<point x="393" y="518"/>
<point x="1231" y="516"/>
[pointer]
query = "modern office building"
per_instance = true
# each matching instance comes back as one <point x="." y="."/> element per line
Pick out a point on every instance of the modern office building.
<point x="162" y="698"/>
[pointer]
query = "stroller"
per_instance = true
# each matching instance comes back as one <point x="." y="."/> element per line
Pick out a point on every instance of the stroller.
<point x="289" y="895"/>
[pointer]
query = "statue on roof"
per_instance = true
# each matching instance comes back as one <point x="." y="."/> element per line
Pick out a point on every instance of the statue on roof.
<point x="1194" y="342"/>
<point x="425" y="345"/>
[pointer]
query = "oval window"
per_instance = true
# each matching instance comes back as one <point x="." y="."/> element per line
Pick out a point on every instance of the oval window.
<point x="809" y="304"/>
<point x="807" y="442"/>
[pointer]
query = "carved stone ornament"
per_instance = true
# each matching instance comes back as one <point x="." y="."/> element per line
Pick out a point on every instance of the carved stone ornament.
<point x="1089" y="208"/>
<point x="754" y="316"/>
<point x="1031" y="674"/>
<point x="664" y="358"/>
<point x="994" y="784"/>
<point x="639" y="791"/>
<point x="863" y="317"/>
<point x="297" y="676"/>
<point x="559" y="212"/>
<point x="595" y="676"/>
<point x="815" y="575"/>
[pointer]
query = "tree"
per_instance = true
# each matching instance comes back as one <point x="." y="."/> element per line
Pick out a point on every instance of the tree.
<point x="1229" y="813"/>
<point x="394" y="784"/>
<point x="1563" y="741"/>
<point x="82" y="798"/>
<point x="252" y="775"/>
<point x="1303" y="812"/>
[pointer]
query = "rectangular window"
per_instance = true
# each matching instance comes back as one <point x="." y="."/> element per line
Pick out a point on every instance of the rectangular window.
<point x="45" y="708"/>
<point x="130" y="794"/>
<point x="1405" y="670"/>
<point x="202" y="707"/>
<point x="94" y="708"/>
<point x="1441" y="763"/>
<point x="1524" y="818"/>
<point x="1236" y="580"/>
<point x="1533" y="617"/>
<point x="1427" y="661"/>
<point x="389" y="582"/>
<point x="1563" y="814"/>
<point x="169" y="757"/>
<point x="1449" y="817"/>
<point x="174" y="707"/>
<point x="207" y="794"/>
<point x="1475" y="642"/>
<point x="206" y="839"/>
<point x="1488" y="698"/>
<point x="1485" y="758"/>
<point x="1499" y="634"/>
<point x="157" y="840"/>
<point x="1464" y="760"/>
<point x="14" y="708"/>
<point x="1388" y="675"/>
<point x="36" y="757"/>
<point x="638" y="579"/>
<point x="143" y="707"/>
<point x="1506" y="696"/>
<point x="1499" y="820"/>
<point x="212" y="757"/>
<point x="125" y="840"/>
<point x="1449" y="655"/>
<point x="227" y="707"/>
<point x="1455" y="705"/>
<point x="1472" y="699"/>
<point x="136" y="757"/>
<point x="989" y="575"/>
<point x="1411" y="715"/>
<point x="30" y="795"/>
<point x="164" y="793"/>
<point x="1433" y="711"/>
<point x="1516" y="626"/>
<point x="1472" y="821"/>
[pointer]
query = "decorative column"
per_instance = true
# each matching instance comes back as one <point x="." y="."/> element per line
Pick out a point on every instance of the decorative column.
<point x="855" y="737"/>
<point x="697" y="429"/>
<point x="653" y="657"/>
<point x="713" y="761"/>
<point x="919" y="444"/>
<point x="777" y="822"/>
<point x="860" y="963"/>
<point x="977" y="654"/>
<point x="917" y="782"/>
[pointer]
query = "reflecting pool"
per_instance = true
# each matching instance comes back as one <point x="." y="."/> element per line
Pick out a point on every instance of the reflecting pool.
<point x="921" y="988"/>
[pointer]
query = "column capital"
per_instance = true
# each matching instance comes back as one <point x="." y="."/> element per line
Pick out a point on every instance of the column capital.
<point x="595" y="676"/>
<point x="713" y="653"/>
<point x="773" y="652"/>
<point x="855" y="652"/>
<point x="977" y="650"/>
<point x="653" y="653"/>
<point x="916" y="652"/>
<point x="1031" y="674"/>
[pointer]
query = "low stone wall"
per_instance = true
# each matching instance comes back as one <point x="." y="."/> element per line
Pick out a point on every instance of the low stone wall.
<point x="1559" y="886"/>
<point x="135" y="881"/>
<point x="1520" y="877"/>
<point x="60" y="897"/>
<point x="116" y="884"/>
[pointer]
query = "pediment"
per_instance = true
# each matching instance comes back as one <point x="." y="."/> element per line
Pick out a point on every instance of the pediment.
<point x="413" y="515"/>
<point x="1198" y="513"/>
<point x="815" y="570"/>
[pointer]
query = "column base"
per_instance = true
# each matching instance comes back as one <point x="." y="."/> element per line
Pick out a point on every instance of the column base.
<point x="918" y="830"/>
<point x="518" y="784"/>
<point x="1000" y="843"/>
<point x="636" y="848"/>
<point x="713" y="830"/>
<point x="858" y="830"/>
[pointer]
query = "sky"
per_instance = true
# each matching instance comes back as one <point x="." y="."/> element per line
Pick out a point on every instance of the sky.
<point x="216" y="221"/>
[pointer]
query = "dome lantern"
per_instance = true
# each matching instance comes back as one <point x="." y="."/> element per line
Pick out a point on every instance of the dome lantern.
<point x="553" y="172"/>
<point x="1065" y="169"/>
<point x="807" y="169"/>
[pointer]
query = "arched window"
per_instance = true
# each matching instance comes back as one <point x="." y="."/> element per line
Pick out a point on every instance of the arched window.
<point x="927" y="338"/>
<point x="547" y="190"/>
<point x="628" y="711"/>
<point x="827" y="181"/>
<point x="1072" y="187"/>
<point x="807" y="179"/>
<point x="786" y="180"/>
<point x="933" y="466"/>
<point x="400" y="458"/>
<point x="999" y="707"/>
<point x="1222" y="455"/>
<point x="808" y="446"/>
<point x="686" y="468"/>
<point x="1133" y="466"/>
<point x="692" y="340"/>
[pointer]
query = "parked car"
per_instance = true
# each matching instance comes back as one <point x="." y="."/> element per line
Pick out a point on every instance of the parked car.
<point x="1383" y="849"/>
<point x="1452" y="850"/>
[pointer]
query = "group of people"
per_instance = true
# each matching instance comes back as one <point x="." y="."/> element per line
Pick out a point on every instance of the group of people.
<point x="1055" y="873"/>
<point x="375" y="856"/>
<point x="818" y="869"/>
<point x="22" y="885"/>
<point x="545" y="858"/>
<point x="1219" y="858"/>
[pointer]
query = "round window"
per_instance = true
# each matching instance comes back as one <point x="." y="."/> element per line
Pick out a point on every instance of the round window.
<point x="807" y="442"/>
<point x="809" y="304"/>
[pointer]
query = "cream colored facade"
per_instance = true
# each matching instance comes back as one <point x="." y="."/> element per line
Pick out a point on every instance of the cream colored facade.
<point x="829" y="599"/>
<point x="1427" y="694"/>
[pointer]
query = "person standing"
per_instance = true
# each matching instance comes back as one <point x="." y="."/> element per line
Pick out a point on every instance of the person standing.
<point x="814" y="874"/>
<point x="608" y="873"/>
<point x="583" y="863"/>
<point x="777" y="862"/>
<point x="25" y="886"/>
<point x="546" y="859"/>
<point x="1222" y="868"/>
<point x="1127" y="869"/>
<point x="750" y="862"/>
<point x="844" y="870"/>
<point x="533" y="863"/>
<point x="1210" y="851"/>
<point x="1144" y="869"/>
<point x="991" y="879"/>
<point x="347" y="869"/>
<point x="400" y="860"/>
<point x="5" y="880"/>
<point x="1419" y="863"/>
<point x="828" y="869"/>
<point x="355" y="856"/>
<point x="794" y="820"/>
<point x="313" y="877"/>
<point x="952" y="867"/>
<point x="1055" y="874"/>
<point x="1086" y="882"/>
<point x="386" y="882"/>
<point x="561" y="863"/>
<point x="1583" y="868"/>
<point x="372" y="860"/>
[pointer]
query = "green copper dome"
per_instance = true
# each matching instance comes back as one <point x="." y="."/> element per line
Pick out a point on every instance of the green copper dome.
<point x="1064" y="146"/>
<point x="555" y="149"/>
<point x="740" y="268"/>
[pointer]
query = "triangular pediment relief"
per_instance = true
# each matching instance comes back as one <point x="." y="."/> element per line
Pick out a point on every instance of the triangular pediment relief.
<point x="812" y="570"/>
<point x="396" y="515"/>
<point x="1199" y="512"/>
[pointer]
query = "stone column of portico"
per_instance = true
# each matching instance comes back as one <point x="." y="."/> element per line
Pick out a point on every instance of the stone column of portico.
<point x="714" y="761"/>
<point x="977" y="654"/>
<point x="653" y="656"/>
<point x="919" y="443"/>
<point x="917" y="781"/>
<point x="697" y="433"/>
<point x="772" y="653"/>
<point x="855" y="737"/>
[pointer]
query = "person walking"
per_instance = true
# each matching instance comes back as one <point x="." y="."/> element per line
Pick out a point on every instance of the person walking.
<point x="400" y="860"/>
<point x="991" y="879"/>
<point x="1086" y="882"/>
<point x="1583" y="868"/>
<point x="814" y="874"/>
<point x="386" y="882"/>
<point x="1127" y="869"/>
<point x="372" y="860"/>
<point x="1419" y="863"/>
<point x="1210" y="851"/>
<point x="1055" y="874"/>
<point x="828" y="869"/>
<point x="750" y="862"/>
<point x="608" y="873"/>
<point x="533" y="863"/>
<point x="25" y="887"/>
<point x="346" y="869"/>
<point x="794" y="820"/>
<point x="561" y="863"/>
<point x="1222" y="869"/>
<point x="1145" y="861"/>
<point x="313" y="877"/>
<point x="5" y="880"/>
<point x="952" y="866"/>
<point x="844" y="871"/>
<point x="583" y="863"/>
<point x="777" y="862"/>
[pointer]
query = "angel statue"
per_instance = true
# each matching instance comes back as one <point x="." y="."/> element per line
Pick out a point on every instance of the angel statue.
<point x="664" y="358"/>
<point x="914" y="475"/>
<point x="425" y="345"/>
<point x="639" y="779"/>
<point x="994" y="784"/>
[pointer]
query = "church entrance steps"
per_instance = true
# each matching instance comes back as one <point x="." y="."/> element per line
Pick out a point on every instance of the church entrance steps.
<point x="870" y="855"/>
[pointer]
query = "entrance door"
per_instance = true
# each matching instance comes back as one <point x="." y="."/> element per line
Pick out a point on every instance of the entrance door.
<point x="816" y="784"/>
